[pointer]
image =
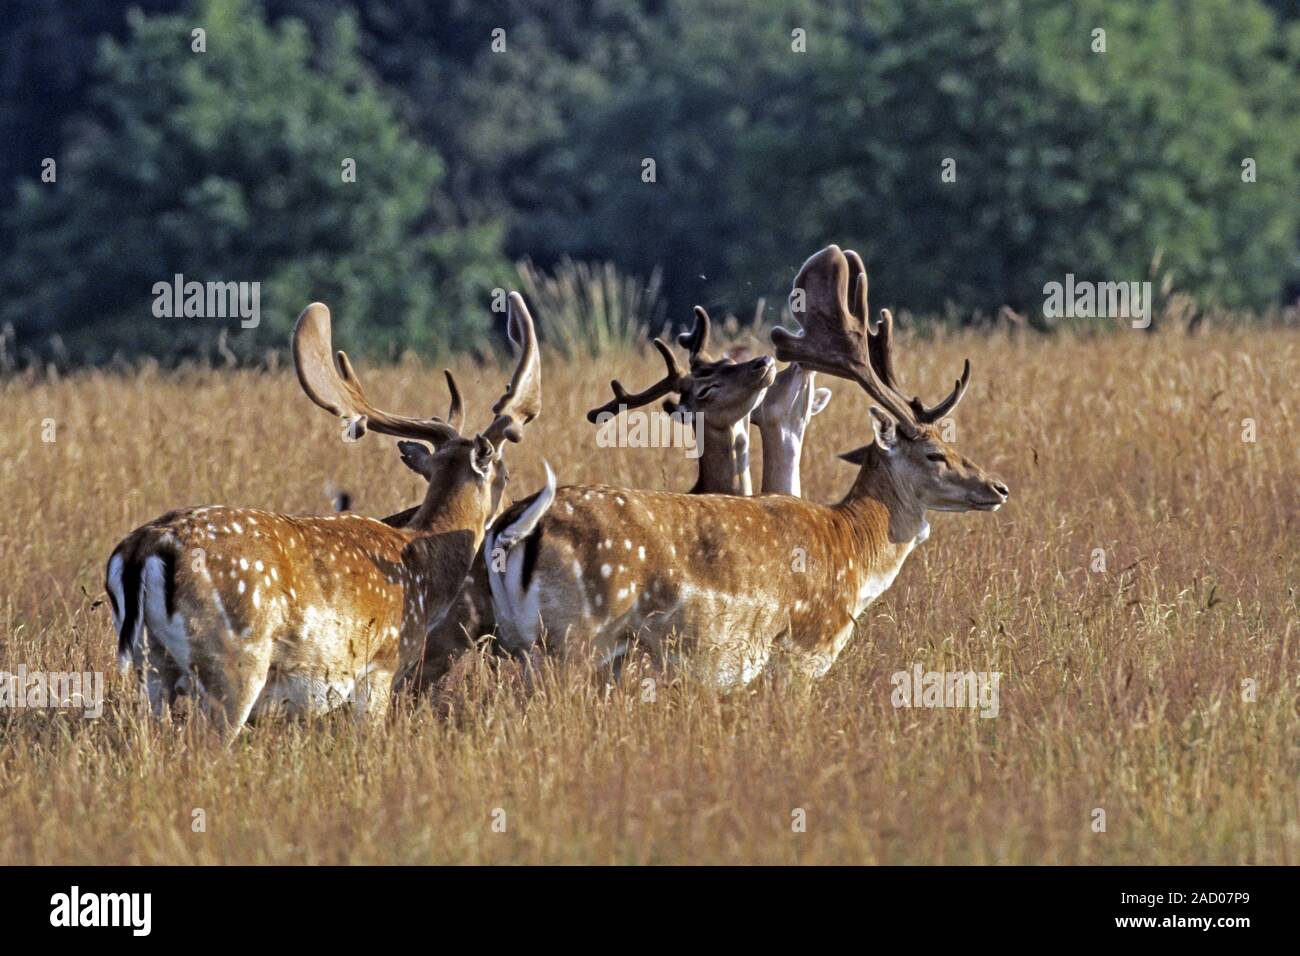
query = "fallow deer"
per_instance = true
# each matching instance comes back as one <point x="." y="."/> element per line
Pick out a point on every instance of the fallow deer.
<point x="470" y="615"/>
<point x="257" y="611"/>
<point x="723" y="396"/>
<point x="593" y="570"/>
<point x="718" y="394"/>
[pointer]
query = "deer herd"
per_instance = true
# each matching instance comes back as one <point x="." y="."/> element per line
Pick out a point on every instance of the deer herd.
<point x="251" y="612"/>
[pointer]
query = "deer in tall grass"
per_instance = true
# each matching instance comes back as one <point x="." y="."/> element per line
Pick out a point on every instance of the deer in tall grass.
<point x="722" y="581"/>
<point x="720" y="397"/>
<point x="254" y="611"/>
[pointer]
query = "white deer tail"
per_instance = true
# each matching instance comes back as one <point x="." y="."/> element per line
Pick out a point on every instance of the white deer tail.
<point x="510" y="566"/>
<point x="520" y="520"/>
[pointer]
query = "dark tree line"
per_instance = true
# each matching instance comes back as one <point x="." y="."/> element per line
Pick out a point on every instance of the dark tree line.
<point x="972" y="150"/>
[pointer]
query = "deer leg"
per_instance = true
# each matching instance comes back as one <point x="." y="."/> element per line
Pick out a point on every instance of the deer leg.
<point x="372" y="695"/>
<point x="232" y="681"/>
<point x="161" y="676"/>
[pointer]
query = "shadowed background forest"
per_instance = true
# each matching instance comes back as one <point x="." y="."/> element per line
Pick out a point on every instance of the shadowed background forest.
<point x="774" y="126"/>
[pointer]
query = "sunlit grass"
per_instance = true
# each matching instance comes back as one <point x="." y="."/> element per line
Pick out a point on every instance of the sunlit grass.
<point x="1121" y="689"/>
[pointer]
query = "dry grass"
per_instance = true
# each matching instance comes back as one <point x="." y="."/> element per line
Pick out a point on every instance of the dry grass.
<point x="1121" y="690"/>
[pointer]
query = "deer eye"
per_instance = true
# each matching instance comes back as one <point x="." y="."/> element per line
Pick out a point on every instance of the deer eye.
<point x="937" y="457"/>
<point x="705" y="391"/>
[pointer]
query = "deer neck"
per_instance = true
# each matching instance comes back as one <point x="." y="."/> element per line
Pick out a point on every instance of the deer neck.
<point x="878" y="487"/>
<point x="445" y="536"/>
<point x="782" y="451"/>
<point x="883" y="523"/>
<point x="455" y="518"/>
<point x="724" y="460"/>
<point x="444" y="510"/>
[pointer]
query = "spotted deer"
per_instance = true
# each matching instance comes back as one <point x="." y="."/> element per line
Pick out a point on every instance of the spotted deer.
<point x="253" y="611"/>
<point x="719" y="394"/>
<point x="723" y="396"/>
<point x="722" y="393"/>
<point x="422" y="665"/>
<point x="717" y="581"/>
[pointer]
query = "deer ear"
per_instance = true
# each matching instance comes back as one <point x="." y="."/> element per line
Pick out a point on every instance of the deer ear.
<point x="417" y="457"/>
<point x="484" y="454"/>
<point x="885" y="429"/>
<point x="858" y="456"/>
<point x="821" y="398"/>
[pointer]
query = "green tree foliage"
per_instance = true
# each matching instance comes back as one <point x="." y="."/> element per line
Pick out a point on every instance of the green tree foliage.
<point x="226" y="165"/>
<point x="495" y="111"/>
<point x="1066" y="159"/>
<point x="47" y="54"/>
<point x="775" y="126"/>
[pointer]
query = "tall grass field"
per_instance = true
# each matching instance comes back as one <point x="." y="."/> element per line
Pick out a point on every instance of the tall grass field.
<point x="1138" y="596"/>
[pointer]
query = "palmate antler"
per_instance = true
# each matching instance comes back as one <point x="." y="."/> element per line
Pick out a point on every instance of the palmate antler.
<point x="837" y="338"/>
<point x="522" y="400"/>
<point x="330" y="381"/>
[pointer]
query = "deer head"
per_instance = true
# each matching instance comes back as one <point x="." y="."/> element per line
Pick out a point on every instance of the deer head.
<point x="718" y="394"/>
<point x="829" y="300"/>
<point x="721" y="391"/>
<point x="465" y="473"/>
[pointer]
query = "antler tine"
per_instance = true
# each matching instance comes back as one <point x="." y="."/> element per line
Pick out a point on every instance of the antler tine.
<point x="945" y="407"/>
<point x="880" y="345"/>
<point x="835" y="339"/>
<point x="455" y="410"/>
<point x="620" y="398"/>
<point x="331" y="383"/>
<point x="857" y="285"/>
<point x="696" y="341"/>
<point x="671" y="382"/>
<point x="880" y="340"/>
<point x="522" y="400"/>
